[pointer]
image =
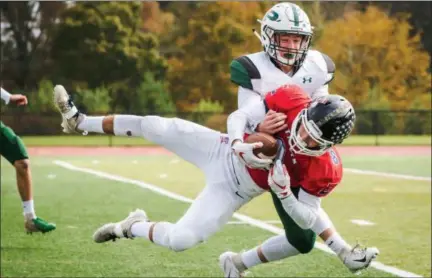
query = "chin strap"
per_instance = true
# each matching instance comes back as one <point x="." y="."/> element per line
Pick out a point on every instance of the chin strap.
<point x="256" y="33"/>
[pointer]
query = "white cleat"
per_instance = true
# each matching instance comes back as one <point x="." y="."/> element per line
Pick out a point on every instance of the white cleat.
<point x="358" y="258"/>
<point x="122" y="229"/>
<point x="228" y="266"/>
<point x="70" y="114"/>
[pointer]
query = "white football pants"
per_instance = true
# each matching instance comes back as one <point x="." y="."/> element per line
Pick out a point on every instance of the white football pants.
<point x="210" y="151"/>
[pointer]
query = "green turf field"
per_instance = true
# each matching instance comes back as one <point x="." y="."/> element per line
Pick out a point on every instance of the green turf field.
<point x="80" y="202"/>
<point x="94" y="140"/>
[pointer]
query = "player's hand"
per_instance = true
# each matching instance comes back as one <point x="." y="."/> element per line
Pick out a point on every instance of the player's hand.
<point x="18" y="99"/>
<point x="245" y="153"/>
<point x="279" y="180"/>
<point x="273" y="123"/>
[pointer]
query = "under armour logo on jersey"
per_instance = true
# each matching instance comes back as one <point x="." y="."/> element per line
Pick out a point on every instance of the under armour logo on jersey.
<point x="306" y="79"/>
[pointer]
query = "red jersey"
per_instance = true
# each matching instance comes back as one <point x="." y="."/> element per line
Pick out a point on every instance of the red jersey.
<point x="317" y="175"/>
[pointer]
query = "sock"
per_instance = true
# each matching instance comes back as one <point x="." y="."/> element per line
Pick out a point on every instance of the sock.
<point x="273" y="249"/>
<point x="92" y="124"/>
<point x="128" y="125"/>
<point x="250" y="258"/>
<point x="278" y="248"/>
<point x="28" y="207"/>
<point x="160" y="231"/>
<point x="336" y="243"/>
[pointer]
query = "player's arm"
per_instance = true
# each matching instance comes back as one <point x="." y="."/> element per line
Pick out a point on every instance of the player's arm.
<point x="246" y="117"/>
<point x="304" y="209"/>
<point x="237" y="124"/>
<point x="17" y="99"/>
<point x="5" y="96"/>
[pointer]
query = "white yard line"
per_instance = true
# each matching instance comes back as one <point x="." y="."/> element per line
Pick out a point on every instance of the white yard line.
<point x="241" y="217"/>
<point x="362" y="222"/>
<point x="387" y="175"/>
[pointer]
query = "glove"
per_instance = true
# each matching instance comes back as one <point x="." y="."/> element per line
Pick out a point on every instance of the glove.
<point x="279" y="180"/>
<point x="245" y="153"/>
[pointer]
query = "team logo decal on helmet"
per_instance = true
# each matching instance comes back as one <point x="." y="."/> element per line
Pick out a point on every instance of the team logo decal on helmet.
<point x="284" y="19"/>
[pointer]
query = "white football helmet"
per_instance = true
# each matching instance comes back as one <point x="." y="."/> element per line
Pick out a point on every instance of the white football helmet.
<point x="285" y="18"/>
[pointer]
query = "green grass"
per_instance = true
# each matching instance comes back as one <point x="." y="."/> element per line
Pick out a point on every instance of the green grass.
<point x="95" y="140"/>
<point x="80" y="202"/>
<point x="407" y="165"/>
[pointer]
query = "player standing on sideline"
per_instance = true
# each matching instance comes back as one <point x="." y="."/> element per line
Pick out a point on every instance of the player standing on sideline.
<point x="286" y="35"/>
<point x="12" y="148"/>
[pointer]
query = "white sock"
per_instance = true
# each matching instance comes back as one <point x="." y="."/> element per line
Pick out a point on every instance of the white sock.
<point x="92" y="124"/>
<point x="273" y="249"/>
<point x="160" y="231"/>
<point x="278" y="248"/>
<point x="250" y="258"/>
<point x="336" y="243"/>
<point x="128" y="125"/>
<point x="28" y="207"/>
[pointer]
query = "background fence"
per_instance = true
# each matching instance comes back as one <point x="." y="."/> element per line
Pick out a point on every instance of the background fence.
<point x="369" y="122"/>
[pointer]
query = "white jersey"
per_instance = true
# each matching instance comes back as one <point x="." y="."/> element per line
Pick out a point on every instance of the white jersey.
<point x="258" y="73"/>
<point x="5" y="95"/>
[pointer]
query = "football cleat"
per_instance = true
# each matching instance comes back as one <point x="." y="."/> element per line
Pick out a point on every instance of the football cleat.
<point x="36" y="225"/>
<point x="358" y="258"/>
<point x="122" y="229"/>
<point x="72" y="117"/>
<point x="226" y="263"/>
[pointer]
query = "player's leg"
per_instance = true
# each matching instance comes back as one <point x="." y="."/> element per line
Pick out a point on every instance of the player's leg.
<point x="13" y="149"/>
<point x="213" y="207"/>
<point x="354" y="259"/>
<point x="295" y="241"/>
<point x="192" y="142"/>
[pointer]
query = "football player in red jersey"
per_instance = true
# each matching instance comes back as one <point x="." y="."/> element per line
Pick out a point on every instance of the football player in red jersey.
<point x="307" y="168"/>
<point x="229" y="184"/>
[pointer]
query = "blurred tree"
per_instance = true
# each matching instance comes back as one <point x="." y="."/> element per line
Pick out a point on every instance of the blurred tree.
<point x="25" y="41"/>
<point x="41" y="100"/>
<point x="152" y="96"/>
<point x="102" y="44"/>
<point x="154" y="19"/>
<point x="93" y="100"/>
<point x="208" y="38"/>
<point x="420" y="16"/>
<point x="375" y="52"/>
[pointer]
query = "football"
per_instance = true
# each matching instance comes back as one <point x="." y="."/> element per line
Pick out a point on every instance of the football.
<point x="269" y="148"/>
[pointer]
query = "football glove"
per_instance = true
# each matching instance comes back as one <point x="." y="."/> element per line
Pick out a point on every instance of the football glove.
<point x="245" y="153"/>
<point x="279" y="180"/>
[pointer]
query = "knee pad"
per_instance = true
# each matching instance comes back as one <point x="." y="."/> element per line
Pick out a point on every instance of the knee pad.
<point x="182" y="239"/>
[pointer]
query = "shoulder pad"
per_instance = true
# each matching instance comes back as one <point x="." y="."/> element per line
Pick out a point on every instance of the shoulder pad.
<point x="242" y="71"/>
<point x="331" y="68"/>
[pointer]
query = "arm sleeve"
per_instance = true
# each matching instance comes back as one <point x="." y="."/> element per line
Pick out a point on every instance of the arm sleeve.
<point x="245" y="118"/>
<point x="320" y="92"/>
<point x="247" y="96"/>
<point x="5" y="96"/>
<point x="304" y="210"/>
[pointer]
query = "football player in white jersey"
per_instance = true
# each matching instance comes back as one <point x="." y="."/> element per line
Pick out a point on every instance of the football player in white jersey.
<point x="286" y="35"/>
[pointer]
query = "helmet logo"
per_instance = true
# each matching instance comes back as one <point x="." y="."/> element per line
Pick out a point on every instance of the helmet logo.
<point x="273" y="16"/>
<point x="307" y="79"/>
